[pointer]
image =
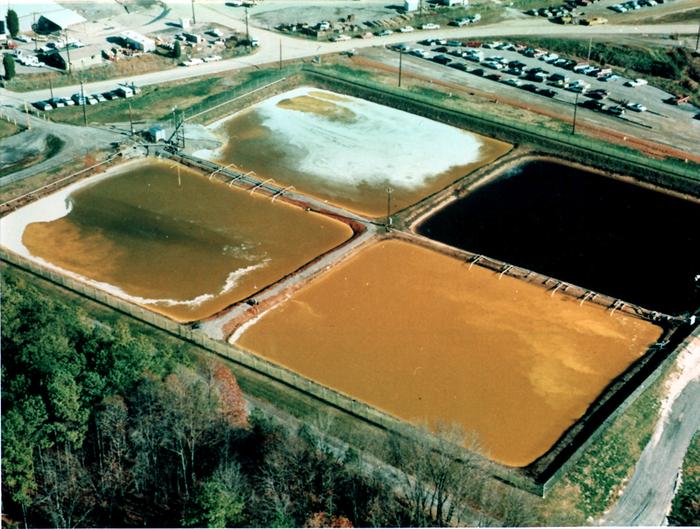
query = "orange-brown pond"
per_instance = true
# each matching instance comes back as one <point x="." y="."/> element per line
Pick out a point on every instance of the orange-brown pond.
<point x="419" y="335"/>
<point x="186" y="250"/>
<point x="348" y="150"/>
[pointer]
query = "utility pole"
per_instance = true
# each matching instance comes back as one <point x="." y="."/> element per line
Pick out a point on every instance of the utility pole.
<point x="194" y="18"/>
<point x="573" y="128"/>
<point x="70" y="66"/>
<point x="590" y="44"/>
<point x="400" y="64"/>
<point x="36" y="42"/>
<point x="388" y="208"/>
<point x="280" y="54"/>
<point x="247" y="32"/>
<point x="51" y="87"/>
<point x="131" y="120"/>
<point x="697" y="40"/>
<point x="82" y="97"/>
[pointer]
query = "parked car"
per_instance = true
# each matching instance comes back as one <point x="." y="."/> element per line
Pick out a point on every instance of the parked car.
<point x="547" y="92"/>
<point x="637" y="107"/>
<point x="615" y="110"/>
<point x="458" y="66"/>
<point x="442" y="59"/>
<point x="512" y="82"/>
<point x="44" y="106"/>
<point x="430" y="25"/>
<point x="406" y="29"/>
<point x="478" y="71"/>
<point x="592" y="104"/>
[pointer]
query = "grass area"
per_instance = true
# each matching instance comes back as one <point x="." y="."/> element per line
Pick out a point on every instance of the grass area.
<point x="685" y="510"/>
<point x="673" y="69"/>
<point x="534" y="4"/>
<point x="53" y="145"/>
<point x="591" y="486"/>
<point x="7" y="129"/>
<point x="156" y="102"/>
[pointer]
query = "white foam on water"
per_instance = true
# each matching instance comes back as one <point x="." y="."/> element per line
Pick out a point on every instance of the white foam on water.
<point x="59" y="205"/>
<point x="382" y="145"/>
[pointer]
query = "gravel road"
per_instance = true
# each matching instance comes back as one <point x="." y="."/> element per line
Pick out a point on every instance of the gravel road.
<point x="647" y="497"/>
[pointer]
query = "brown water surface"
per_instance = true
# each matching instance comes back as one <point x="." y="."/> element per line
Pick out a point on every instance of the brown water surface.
<point x="419" y="335"/>
<point x="185" y="250"/>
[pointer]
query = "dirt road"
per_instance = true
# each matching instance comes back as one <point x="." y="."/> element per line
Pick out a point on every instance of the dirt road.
<point x="647" y="498"/>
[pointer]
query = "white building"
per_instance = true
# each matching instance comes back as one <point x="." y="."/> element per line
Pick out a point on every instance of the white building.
<point x="410" y="5"/>
<point x="138" y="41"/>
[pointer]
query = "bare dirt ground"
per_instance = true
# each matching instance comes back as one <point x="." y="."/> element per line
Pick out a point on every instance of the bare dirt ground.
<point x="77" y="142"/>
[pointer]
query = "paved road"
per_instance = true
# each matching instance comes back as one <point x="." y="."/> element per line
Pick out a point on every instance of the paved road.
<point x="296" y="48"/>
<point x="647" y="498"/>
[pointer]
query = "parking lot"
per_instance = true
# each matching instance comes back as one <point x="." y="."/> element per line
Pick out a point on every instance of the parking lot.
<point x="536" y="75"/>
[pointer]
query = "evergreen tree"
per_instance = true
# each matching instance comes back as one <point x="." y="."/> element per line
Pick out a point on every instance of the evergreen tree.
<point x="8" y="61"/>
<point x="12" y="22"/>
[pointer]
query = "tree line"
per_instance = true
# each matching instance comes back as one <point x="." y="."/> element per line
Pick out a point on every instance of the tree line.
<point x="103" y="426"/>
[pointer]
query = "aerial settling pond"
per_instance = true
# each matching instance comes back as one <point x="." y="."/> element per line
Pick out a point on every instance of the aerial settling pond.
<point x="348" y="151"/>
<point x="421" y="336"/>
<point x="172" y="241"/>
<point x="603" y="234"/>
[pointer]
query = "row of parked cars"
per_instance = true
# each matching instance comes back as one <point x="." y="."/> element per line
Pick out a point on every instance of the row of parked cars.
<point x="528" y="78"/>
<point x="78" y="99"/>
<point x="633" y="5"/>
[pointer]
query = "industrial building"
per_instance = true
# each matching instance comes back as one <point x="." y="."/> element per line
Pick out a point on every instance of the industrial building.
<point x="57" y="20"/>
<point x="410" y="5"/>
<point x="138" y="41"/>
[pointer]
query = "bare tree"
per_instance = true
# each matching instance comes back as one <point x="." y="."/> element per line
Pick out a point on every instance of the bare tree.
<point x="439" y="476"/>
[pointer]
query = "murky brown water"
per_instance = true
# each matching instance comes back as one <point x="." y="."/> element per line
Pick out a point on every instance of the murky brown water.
<point x="186" y="251"/>
<point x="347" y="151"/>
<point x="421" y="336"/>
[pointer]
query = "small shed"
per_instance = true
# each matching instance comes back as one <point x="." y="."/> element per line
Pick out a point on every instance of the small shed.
<point x="156" y="134"/>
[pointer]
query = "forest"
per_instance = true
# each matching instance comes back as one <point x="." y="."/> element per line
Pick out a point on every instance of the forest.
<point x="103" y="426"/>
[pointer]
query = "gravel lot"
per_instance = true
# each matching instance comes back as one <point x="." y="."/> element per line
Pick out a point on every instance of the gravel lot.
<point x="662" y="122"/>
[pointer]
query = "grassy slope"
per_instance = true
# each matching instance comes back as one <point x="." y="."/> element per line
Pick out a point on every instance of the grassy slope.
<point x="8" y="129"/>
<point x="686" y="504"/>
<point x="590" y="487"/>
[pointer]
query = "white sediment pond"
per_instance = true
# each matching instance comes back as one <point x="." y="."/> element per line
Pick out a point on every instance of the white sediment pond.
<point x="348" y="149"/>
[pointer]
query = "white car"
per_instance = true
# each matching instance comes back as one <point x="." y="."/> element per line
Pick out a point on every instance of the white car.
<point x="340" y="38"/>
<point x="637" y="107"/>
<point x="385" y="33"/>
<point x="430" y="25"/>
<point x="406" y="29"/>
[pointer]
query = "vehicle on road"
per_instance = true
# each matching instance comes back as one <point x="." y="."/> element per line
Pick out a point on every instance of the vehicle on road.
<point x="430" y="25"/>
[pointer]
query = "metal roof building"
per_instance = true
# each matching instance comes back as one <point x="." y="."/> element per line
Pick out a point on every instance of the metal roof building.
<point x="59" y="20"/>
<point x="30" y="12"/>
